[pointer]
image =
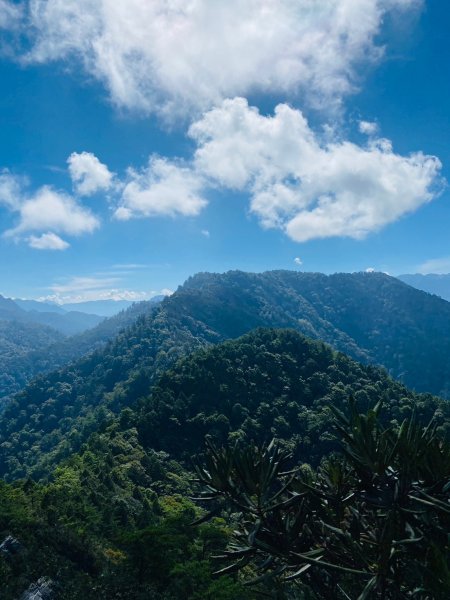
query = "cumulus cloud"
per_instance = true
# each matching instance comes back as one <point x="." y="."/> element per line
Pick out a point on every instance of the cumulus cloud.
<point x="370" y="270"/>
<point x="298" y="261"/>
<point x="190" y="54"/>
<point x="47" y="241"/>
<point x="88" y="174"/>
<point x="163" y="188"/>
<point x="54" y="210"/>
<point x="308" y="187"/>
<point x="46" y="211"/>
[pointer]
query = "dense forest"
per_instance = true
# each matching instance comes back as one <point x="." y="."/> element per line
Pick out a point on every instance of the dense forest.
<point x="369" y="316"/>
<point x="28" y="349"/>
<point x="125" y="472"/>
<point x="115" y="519"/>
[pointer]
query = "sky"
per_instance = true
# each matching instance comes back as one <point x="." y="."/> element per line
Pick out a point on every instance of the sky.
<point x="144" y="141"/>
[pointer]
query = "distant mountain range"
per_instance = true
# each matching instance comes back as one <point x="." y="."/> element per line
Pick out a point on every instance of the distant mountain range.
<point x="66" y="322"/>
<point x="28" y="348"/>
<point x="432" y="283"/>
<point x="372" y="317"/>
<point x="102" y="308"/>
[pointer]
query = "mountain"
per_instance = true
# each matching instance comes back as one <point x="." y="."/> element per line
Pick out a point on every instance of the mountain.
<point x="35" y="305"/>
<point x="371" y="317"/>
<point x="9" y="310"/>
<point x="115" y="519"/>
<point x="432" y="283"/>
<point x="17" y="341"/>
<point x="45" y="349"/>
<point x="67" y="323"/>
<point x="105" y="308"/>
<point x="269" y="383"/>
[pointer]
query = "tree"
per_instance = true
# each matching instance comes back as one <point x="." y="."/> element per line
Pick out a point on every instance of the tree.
<point x="372" y="522"/>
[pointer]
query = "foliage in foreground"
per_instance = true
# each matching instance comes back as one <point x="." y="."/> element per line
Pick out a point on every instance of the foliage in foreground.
<point x="114" y="522"/>
<point x="372" y="523"/>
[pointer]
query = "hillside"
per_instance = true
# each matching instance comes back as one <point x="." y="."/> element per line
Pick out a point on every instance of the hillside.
<point x="369" y="316"/>
<point x="28" y="349"/>
<point x="372" y="317"/>
<point x="269" y="384"/>
<point x="17" y="340"/>
<point x="114" y="519"/>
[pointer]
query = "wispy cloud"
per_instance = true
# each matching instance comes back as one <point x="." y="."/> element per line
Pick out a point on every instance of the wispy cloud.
<point x="83" y="284"/>
<point x="85" y="288"/>
<point x="367" y="127"/>
<point x="229" y="48"/>
<point x="11" y="15"/>
<point x="130" y="266"/>
<point x="82" y="289"/>
<point x="440" y="266"/>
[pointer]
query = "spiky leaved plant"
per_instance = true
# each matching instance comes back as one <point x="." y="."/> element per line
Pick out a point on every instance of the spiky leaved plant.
<point x="373" y="522"/>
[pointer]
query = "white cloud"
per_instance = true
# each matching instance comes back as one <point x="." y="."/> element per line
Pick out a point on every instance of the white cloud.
<point x="305" y="186"/>
<point x="88" y="174"/>
<point x="206" y="233"/>
<point x="46" y="211"/>
<point x="162" y="189"/>
<point x="10" y="15"/>
<point x="130" y="266"/>
<point x="298" y="261"/>
<point x="165" y="292"/>
<point x="49" y="209"/>
<point x="438" y="266"/>
<point x="370" y="270"/>
<point x="368" y="127"/>
<point x="83" y="289"/>
<point x="83" y="284"/>
<point x="183" y="54"/>
<point x="47" y="241"/>
<point x="10" y="189"/>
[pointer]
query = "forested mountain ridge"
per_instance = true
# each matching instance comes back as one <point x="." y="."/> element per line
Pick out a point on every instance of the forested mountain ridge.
<point x="372" y="317"/>
<point x="28" y="349"/>
<point x="270" y="383"/>
<point x="17" y="341"/>
<point x="114" y="520"/>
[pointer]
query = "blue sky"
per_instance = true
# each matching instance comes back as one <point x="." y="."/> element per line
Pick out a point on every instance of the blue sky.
<point x="143" y="142"/>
